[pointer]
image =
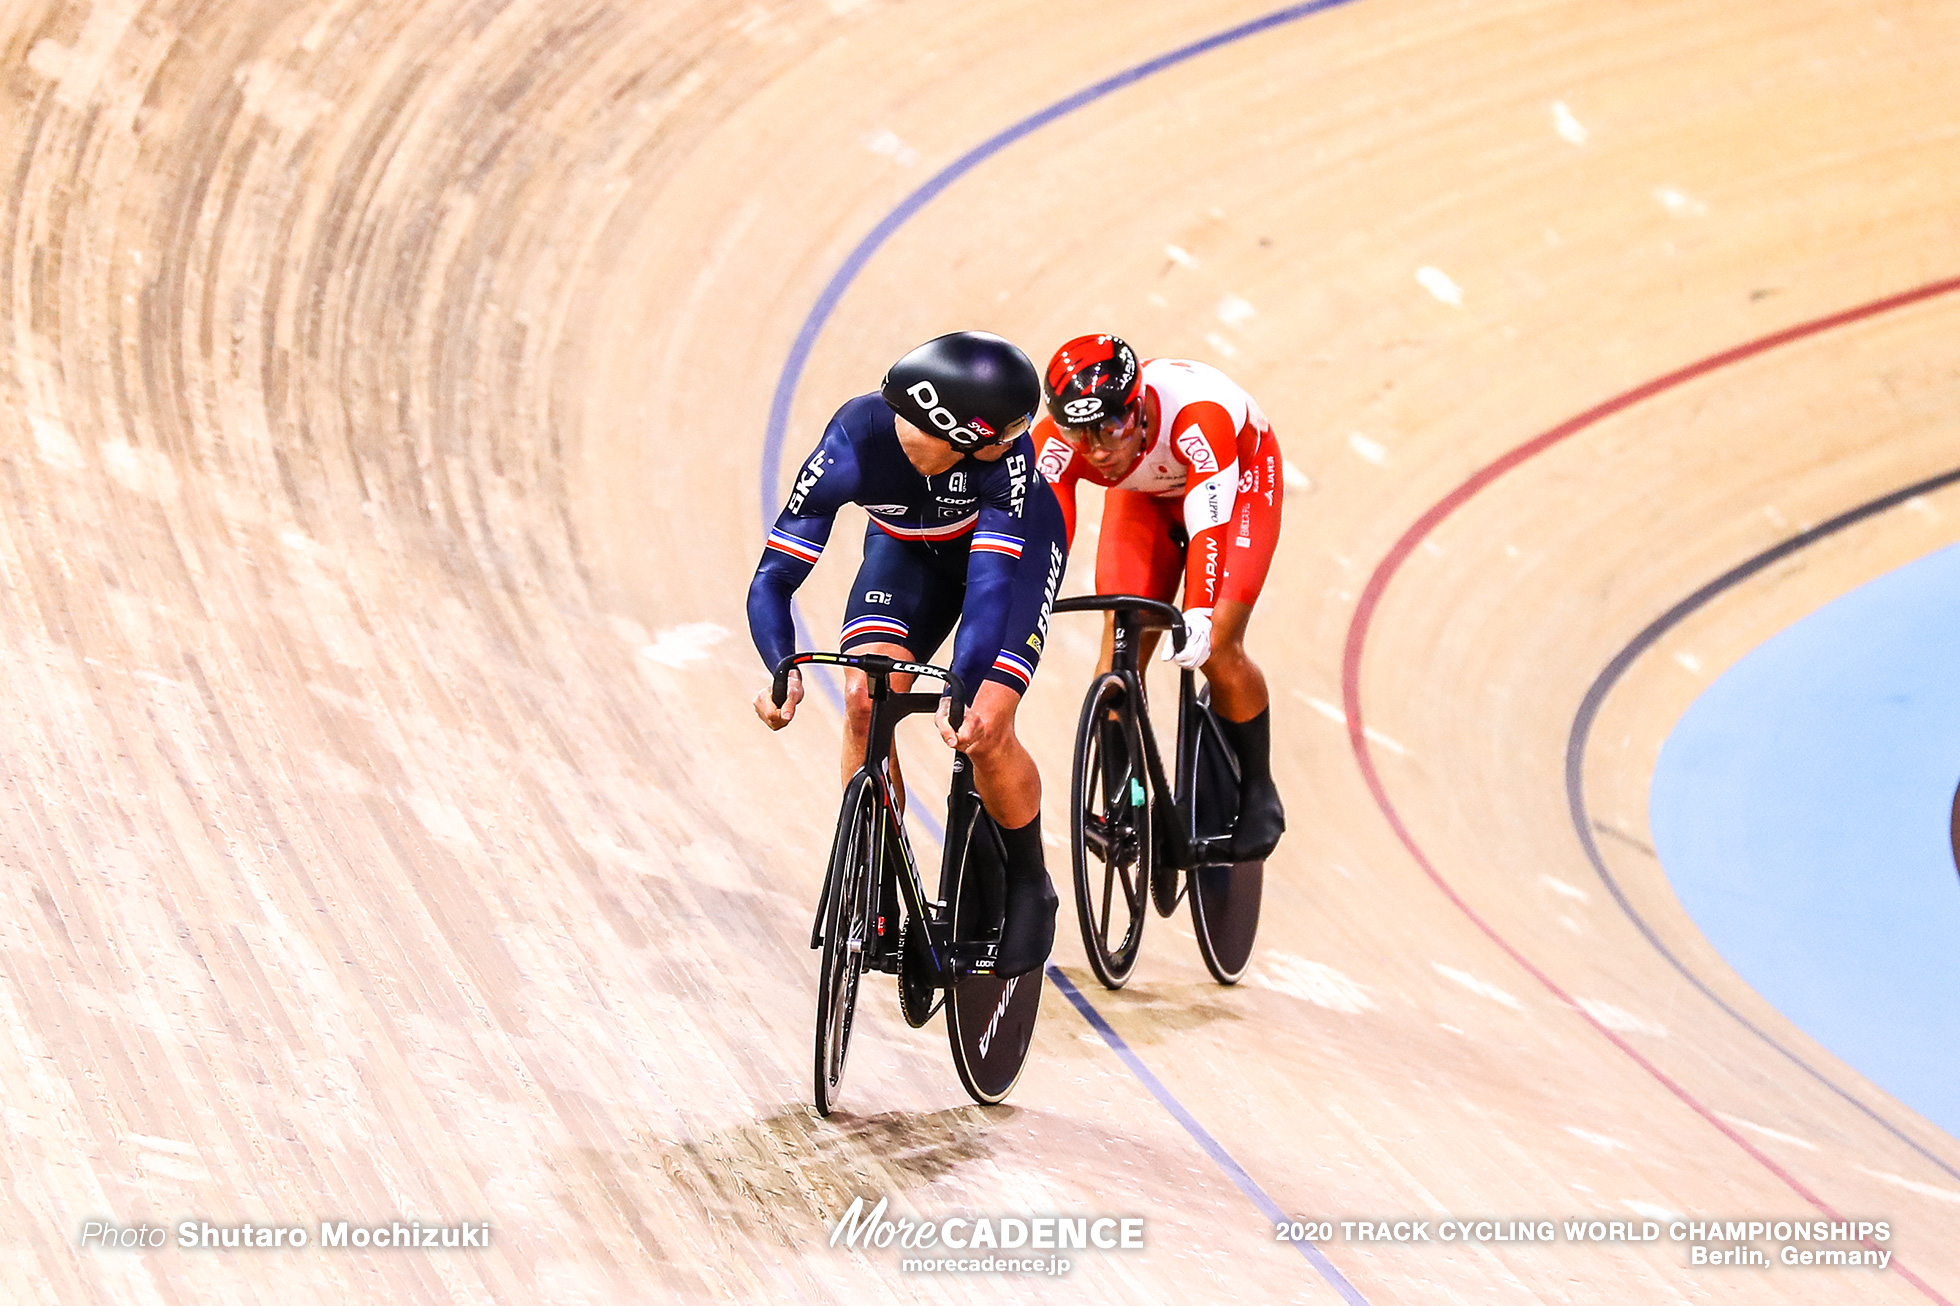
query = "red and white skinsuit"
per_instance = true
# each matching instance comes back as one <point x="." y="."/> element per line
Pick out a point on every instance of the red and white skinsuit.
<point x="1210" y="463"/>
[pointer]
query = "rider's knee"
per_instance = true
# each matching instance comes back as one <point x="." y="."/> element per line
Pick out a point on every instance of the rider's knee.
<point x="857" y="705"/>
<point x="1228" y="659"/>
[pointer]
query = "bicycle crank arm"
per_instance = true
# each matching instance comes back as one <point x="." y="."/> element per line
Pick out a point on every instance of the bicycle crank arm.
<point x="1211" y="852"/>
<point x="975" y="958"/>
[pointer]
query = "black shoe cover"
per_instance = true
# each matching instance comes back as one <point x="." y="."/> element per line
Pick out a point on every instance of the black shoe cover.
<point x="1261" y="817"/>
<point x="1028" y="935"/>
<point x="1262" y="820"/>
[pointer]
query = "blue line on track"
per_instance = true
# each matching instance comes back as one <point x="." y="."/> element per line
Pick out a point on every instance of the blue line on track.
<point x="854" y="263"/>
<point x="1246" y="1183"/>
<point x="772" y="453"/>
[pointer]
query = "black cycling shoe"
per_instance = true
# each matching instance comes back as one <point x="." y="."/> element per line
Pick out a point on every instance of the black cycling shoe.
<point x="1028" y="935"/>
<point x="1262" y="819"/>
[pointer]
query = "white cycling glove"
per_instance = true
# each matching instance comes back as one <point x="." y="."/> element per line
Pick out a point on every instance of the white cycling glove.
<point x="1197" y="640"/>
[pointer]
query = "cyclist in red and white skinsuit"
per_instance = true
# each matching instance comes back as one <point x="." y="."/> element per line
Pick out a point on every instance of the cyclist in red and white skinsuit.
<point x="1193" y="478"/>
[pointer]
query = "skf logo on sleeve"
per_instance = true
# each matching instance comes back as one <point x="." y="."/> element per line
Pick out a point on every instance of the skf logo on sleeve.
<point x="1017" y="483"/>
<point x="812" y="473"/>
<point x="1054" y="459"/>
<point x="1196" y="449"/>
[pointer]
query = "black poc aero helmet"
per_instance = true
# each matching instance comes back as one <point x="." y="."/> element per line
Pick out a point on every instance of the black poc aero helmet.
<point x="969" y="388"/>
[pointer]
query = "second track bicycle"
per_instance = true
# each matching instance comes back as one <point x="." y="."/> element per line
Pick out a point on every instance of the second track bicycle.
<point x="1132" y="835"/>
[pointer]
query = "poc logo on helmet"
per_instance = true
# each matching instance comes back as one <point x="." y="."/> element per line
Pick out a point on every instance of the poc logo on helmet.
<point x="923" y="394"/>
<point x="1083" y="409"/>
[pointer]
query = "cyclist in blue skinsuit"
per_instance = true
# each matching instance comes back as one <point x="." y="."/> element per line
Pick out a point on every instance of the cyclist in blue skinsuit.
<point x="963" y="529"/>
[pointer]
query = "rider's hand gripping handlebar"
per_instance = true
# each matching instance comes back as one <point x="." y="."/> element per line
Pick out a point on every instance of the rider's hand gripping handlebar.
<point x="878" y="667"/>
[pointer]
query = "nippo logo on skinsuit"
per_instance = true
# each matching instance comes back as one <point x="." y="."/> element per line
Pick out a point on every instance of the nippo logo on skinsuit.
<point x="1192" y="444"/>
<point x="1085" y="409"/>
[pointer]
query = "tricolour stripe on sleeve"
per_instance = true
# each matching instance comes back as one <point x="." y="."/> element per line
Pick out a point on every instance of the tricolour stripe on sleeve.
<point x="1016" y="667"/>
<point x="784" y="542"/>
<point x="994" y="542"/>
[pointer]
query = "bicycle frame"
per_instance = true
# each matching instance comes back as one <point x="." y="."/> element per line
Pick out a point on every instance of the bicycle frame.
<point x="1135" y="615"/>
<point x="888" y="708"/>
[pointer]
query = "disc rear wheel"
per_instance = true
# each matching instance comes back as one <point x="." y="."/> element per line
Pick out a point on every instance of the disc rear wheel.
<point x="1225" y="916"/>
<point x="1224" y="897"/>
<point x="989" y="1021"/>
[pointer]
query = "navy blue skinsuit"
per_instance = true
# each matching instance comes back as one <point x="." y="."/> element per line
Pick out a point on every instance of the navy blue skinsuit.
<point x="982" y="544"/>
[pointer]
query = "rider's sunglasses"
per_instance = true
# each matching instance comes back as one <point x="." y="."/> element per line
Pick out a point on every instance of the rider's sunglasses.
<point x="966" y="441"/>
<point x="1103" y="436"/>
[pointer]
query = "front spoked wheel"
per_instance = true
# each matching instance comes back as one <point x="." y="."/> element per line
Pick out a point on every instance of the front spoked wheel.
<point x="847" y="926"/>
<point x="1109" y="829"/>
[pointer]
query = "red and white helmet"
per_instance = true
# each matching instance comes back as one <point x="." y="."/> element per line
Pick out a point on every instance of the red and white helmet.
<point x="1091" y="380"/>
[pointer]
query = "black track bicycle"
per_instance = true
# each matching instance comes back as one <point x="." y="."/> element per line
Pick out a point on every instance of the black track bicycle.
<point x="874" y="913"/>
<point x="1132" y="836"/>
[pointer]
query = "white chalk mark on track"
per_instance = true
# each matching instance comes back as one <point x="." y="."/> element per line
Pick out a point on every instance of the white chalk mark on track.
<point x="1767" y="1132"/>
<point x="1312" y="981"/>
<point x="683" y="646"/>
<point x="1438" y="283"/>
<point x="1566" y="125"/>
<point x="1483" y="988"/>
<point x="1339" y="717"/>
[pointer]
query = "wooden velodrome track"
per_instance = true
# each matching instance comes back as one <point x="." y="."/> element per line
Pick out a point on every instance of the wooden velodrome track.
<point x="384" y="392"/>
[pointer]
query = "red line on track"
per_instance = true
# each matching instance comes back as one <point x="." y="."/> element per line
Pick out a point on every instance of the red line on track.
<point x="1364" y="613"/>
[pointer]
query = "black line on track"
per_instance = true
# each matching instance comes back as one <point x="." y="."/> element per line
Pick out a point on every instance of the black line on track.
<point x="1610" y="676"/>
